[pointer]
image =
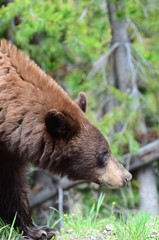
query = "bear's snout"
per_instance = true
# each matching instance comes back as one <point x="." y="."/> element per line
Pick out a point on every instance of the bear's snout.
<point x="114" y="175"/>
<point x="127" y="178"/>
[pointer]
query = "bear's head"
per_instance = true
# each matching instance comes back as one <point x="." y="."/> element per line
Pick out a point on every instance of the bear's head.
<point x="81" y="151"/>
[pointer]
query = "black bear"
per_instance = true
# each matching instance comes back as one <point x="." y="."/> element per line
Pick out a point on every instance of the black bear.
<point x="40" y="123"/>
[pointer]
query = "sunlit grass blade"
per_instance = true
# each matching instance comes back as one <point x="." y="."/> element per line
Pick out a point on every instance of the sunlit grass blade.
<point x="12" y="228"/>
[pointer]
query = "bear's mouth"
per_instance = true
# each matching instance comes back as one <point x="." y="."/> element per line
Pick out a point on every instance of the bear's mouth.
<point x="102" y="183"/>
<point x="110" y="186"/>
<point x="116" y="186"/>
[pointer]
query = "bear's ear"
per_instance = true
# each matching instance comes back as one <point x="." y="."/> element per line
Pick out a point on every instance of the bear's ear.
<point x="82" y="101"/>
<point x="58" y="125"/>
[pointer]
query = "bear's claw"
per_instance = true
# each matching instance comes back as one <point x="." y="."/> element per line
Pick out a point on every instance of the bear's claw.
<point x="40" y="233"/>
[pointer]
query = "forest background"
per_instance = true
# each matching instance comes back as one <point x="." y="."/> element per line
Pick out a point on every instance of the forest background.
<point x="108" y="49"/>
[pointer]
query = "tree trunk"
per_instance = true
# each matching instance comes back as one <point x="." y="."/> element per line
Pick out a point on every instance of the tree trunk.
<point x="121" y="75"/>
<point x="120" y="63"/>
<point x="148" y="190"/>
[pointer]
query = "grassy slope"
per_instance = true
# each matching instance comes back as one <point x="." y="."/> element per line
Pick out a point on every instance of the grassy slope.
<point x="140" y="226"/>
<point x="78" y="227"/>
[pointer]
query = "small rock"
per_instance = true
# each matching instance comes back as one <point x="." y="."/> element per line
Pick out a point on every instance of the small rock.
<point x="70" y="231"/>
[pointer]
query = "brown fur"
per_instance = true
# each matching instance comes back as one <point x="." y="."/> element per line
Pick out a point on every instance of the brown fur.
<point x="40" y="123"/>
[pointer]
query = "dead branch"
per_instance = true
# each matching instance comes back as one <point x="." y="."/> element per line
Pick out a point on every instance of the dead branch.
<point x="101" y="62"/>
<point x="35" y="199"/>
<point x="146" y="155"/>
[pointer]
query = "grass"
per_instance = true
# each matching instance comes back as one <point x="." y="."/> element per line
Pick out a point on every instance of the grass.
<point x="137" y="227"/>
<point x="93" y="226"/>
<point x="79" y="226"/>
<point x="8" y="232"/>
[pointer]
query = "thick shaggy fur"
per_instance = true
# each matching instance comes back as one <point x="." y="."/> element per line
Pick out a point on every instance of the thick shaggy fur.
<point x="40" y="123"/>
<point x="26" y="95"/>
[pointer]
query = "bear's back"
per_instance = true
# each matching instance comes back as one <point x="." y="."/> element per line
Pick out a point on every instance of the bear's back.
<point x="26" y="95"/>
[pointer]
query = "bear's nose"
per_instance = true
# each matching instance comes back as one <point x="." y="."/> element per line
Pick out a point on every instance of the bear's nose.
<point x="128" y="178"/>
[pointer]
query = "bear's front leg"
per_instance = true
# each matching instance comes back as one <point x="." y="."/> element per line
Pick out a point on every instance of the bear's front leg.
<point x="14" y="202"/>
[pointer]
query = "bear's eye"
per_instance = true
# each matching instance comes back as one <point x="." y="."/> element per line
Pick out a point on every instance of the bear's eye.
<point x="103" y="157"/>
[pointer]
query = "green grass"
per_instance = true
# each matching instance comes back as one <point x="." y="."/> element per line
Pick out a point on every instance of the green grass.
<point x="136" y="227"/>
<point x="8" y="232"/>
<point x="140" y="226"/>
<point x="79" y="226"/>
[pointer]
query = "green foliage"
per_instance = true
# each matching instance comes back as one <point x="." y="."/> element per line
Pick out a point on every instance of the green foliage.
<point x="54" y="32"/>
